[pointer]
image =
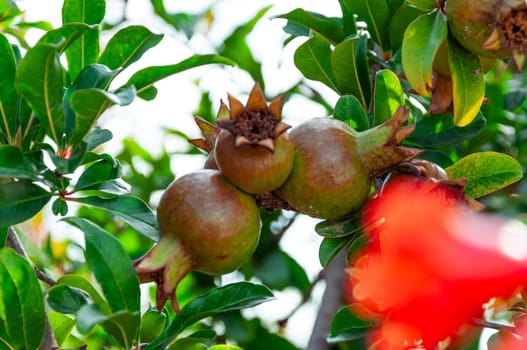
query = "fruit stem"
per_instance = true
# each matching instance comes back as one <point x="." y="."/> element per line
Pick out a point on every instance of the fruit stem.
<point x="166" y="264"/>
<point x="379" y="147"/>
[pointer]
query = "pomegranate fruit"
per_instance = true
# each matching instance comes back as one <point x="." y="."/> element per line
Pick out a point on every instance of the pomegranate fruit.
<point x="334" y="164"/>
<point x="253" y="150"/>
<point x="490" y="28"/>
<point x="207" y="225"/>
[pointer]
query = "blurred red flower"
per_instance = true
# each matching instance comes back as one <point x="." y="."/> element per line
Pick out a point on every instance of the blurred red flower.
<point x="433" y="263"/>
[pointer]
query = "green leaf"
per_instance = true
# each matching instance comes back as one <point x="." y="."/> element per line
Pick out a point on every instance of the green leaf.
<point x="8" y="95"/>
<point x="339" y="228"/>
<point x="227" y="298"/>
<point x="347" y="326"/>
<point x="350" y="68"/>
<point x="144" y="79"/>
<point x="183" y="21"/>
<point x="97" y="137"/>
<point x="65" y="35"/>
<point x="85" y="49"/>
<point x="349" y="110"/>
<point x="439" y="130"/>
<point x="81" y="283"/>
<point x="111" y="266"/>
<point x="329" y="28"/>
<point x="131" y="209"/>
<point x="66" y="299"/>
<point x="313" y="59"/>
<point x="468" y="83"/>
<point x="401" y="18"/>
<point x="376" y="14"/>
<point x="236" y="49"/>
<point x="388" y="96"/>
<point x="39" y="80"/>
<point x="61" y="325"/>
<point x="424" y="5"/>
<point x="89" y="104"/>
<point x="13" y="164"/>
<point x="279" y="271"/>
<point x="21" y="298"/>
<point x="21" y="200"/>
<point x="122" y="325"/>
<point x="101" y="171"/>
<point x="421" y="41"/>
<point x="486" y="172"/>
<point x="152" y="324"/>
<point x="128" y="45"/>
<point x="68" y="165"/>
<point x="348" y="18"/>
<point x="3" y="236"/>
<point x="330" y="248"/>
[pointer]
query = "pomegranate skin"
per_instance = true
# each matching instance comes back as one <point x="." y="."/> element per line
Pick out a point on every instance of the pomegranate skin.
<point x="328" y="179"/>
<point x="217" y="225"/>
<point x="253" y="168"/>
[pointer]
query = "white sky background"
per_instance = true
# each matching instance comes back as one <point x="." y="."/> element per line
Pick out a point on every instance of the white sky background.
<point x="179" y="96"/>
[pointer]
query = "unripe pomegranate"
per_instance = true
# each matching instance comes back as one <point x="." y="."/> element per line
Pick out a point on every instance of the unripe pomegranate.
<point x="490" y="28"/>
<point x="334" y="164"/>
<point x="207" y="225"/>
<point x="253" y="150"/>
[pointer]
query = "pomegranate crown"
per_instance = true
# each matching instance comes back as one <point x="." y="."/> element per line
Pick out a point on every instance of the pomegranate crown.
<point x="256" y="123"/>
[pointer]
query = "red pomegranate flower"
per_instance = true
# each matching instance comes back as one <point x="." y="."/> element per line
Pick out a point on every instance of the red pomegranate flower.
<point x="434" y="264"/>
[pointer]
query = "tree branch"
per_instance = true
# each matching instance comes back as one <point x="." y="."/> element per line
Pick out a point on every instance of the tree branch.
<point x="48" y="342"/>
<point x="331" y="302"/>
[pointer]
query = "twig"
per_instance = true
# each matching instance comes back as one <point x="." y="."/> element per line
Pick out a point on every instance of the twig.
<point x="330" y="304"/>
<point x="492" y="325"/>
<point x="48" y="342"/>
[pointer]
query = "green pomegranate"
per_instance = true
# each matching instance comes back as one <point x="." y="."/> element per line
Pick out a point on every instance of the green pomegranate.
<point x="334" y="164"/>
<point x="490" y="28"/>
<point x="253" y="149"/>
<point x="207" y="225"/>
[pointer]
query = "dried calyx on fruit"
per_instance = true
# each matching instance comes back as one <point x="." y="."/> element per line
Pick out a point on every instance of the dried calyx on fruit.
<point x="490" y="28"/>
<point x="334" y="164"/>
<point x="207" y="225"/>
<point x="253" y="149"/>
<point x="210" y="133"/>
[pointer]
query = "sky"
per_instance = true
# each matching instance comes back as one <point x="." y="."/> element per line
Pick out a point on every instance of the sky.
<point x="178" y="97"/>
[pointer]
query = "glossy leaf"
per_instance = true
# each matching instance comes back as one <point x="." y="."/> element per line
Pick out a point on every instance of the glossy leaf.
<point x="39" y="80"/>
<point x="227" y="298"/>
<point x="128" y="45"/>
<point x="61" y="325"/>
<point x="349" y="109"/>
<point x="97" y="137"/>
<point x="486" y="172"/>
<point x="68" y="165"/>
<point x="348" y="18"/>
<point x="3" y="235"/>
<point x="131" y="209"/>
<point x="339" y="228"/>
<point x="329" y="28"/>
<point x="347" y="326"/>
<point x="439" y="130"/>
<point x="65" y="35"/>
<point x="84" y="50"/>
<point x="329" y="248"/>
<point x="152" y="324"/>
<point x="22" y="303"/>
<point x="376" y="14"/>
<point x="8" y="95"/>
<point x="424" y="5"/>
<point x="101" y="171"/>
<point x="89" y="104"/>
<point x="81" y="283"/>
<point x="421" y="41"/>
<point x="313" y="59"/>
<point x="13" y="164"/>
<point x="144" y="79"/>
<point x="122" y="325"/>
<point x="111" y="266"/>
<point x="388" y="96"/>
<point x="468" y="83"/>
<point x="21" y="200"/>
<point x="279" y="271"/>
<point x="401" y="19"/>
<point x="66" y="299"/>
<point x="350" y="69"/>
